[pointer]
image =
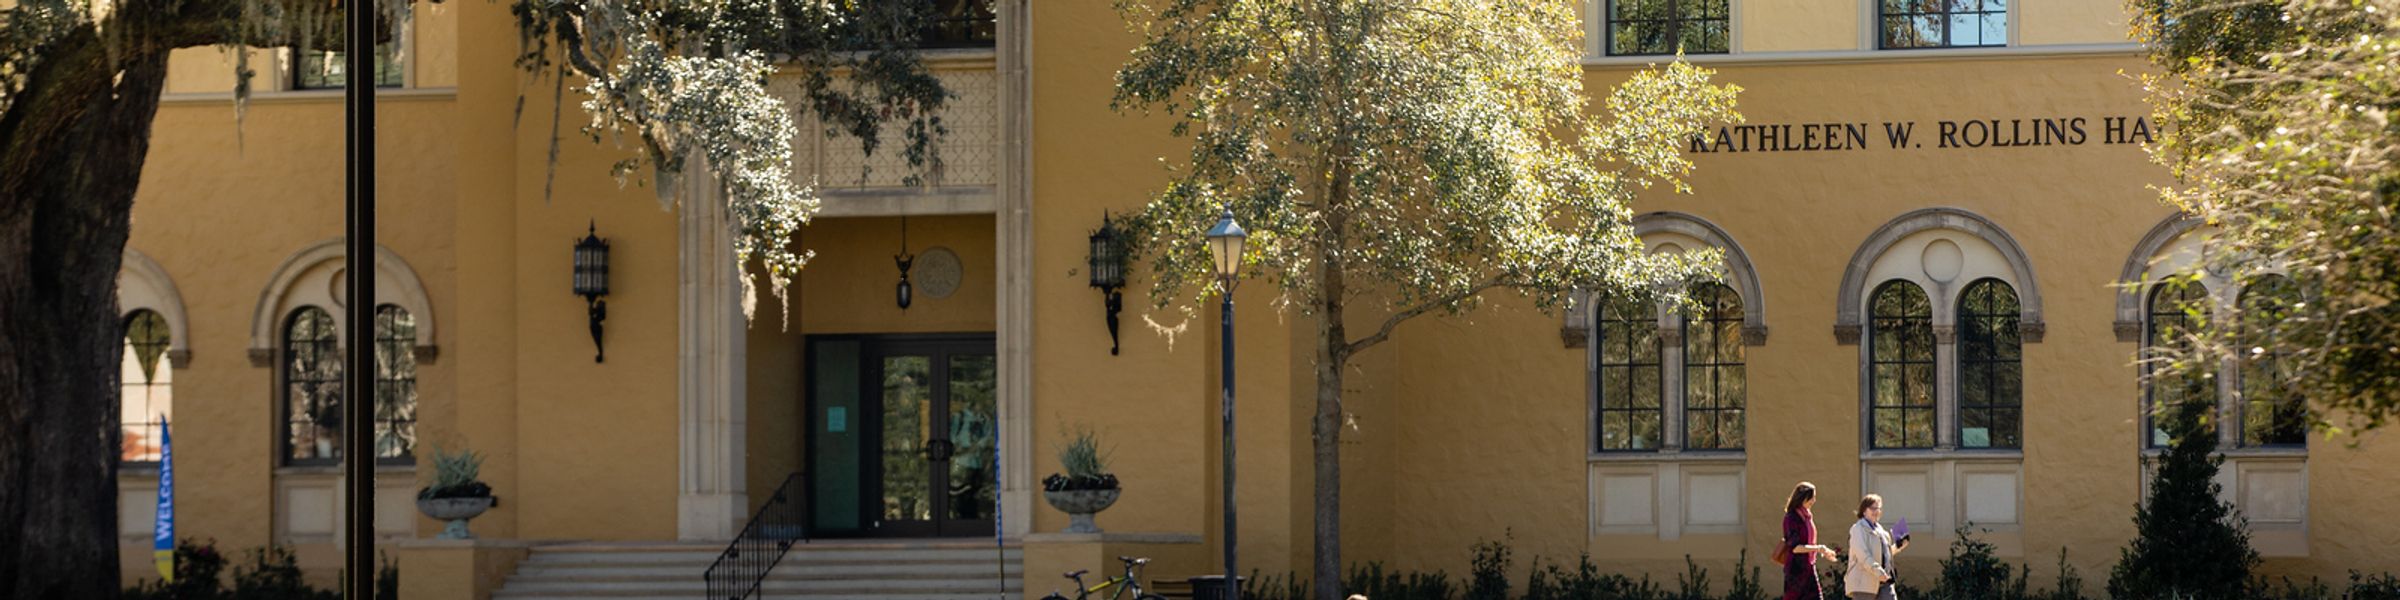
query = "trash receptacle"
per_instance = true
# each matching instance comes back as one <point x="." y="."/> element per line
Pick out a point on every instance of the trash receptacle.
<point x="1212" y="587"/>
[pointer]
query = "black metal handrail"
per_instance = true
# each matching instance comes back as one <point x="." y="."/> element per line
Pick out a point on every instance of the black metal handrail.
<point x="738" y="573"/>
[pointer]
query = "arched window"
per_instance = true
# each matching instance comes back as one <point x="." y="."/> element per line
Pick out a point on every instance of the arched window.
<point x="1991" y="374"/>
<point x="148" y="396"/>
<point x="1901" y="351"/>
<point x="395" y="383"/>
<point x="1715" y="387"/>
<point x="312" y="388"/>
<point x="2171" y="325"/>
<point x="1629" y="385"/>
<point x="2272" y="414"/>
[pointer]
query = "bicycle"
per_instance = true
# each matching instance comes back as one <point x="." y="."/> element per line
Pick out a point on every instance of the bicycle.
<point x="1131" y="581"/>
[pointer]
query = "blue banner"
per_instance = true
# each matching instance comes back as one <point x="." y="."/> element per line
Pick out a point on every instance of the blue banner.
<point x="163" y="531"/>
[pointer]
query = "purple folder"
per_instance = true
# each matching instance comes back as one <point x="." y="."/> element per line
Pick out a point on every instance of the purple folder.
<point x="1901" y="530"/>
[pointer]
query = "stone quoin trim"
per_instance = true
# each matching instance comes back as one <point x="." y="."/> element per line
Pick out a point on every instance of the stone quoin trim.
<point x="142" y="284"/>
<point x="274" y="305"/>
<point x="2133" y="280"/>
<point x="1739" y="273"/>
<point x="1850" y="305"/>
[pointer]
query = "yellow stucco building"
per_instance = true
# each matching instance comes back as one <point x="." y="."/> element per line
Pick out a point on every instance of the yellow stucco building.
<point x="1939" y="238"/>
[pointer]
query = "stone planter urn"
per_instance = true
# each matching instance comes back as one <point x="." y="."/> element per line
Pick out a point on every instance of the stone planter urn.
<point x="456" y="511"/>
<point x="1080" y="505"/>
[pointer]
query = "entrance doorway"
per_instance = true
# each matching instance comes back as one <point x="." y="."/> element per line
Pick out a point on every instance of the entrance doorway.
<point x="903" y="435"/>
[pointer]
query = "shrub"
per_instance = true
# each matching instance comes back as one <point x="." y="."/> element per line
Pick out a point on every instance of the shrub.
<point x="2070" y="583"/>
<point x="1374" y="582"/>
<point x="1274" y="587"/>
<point x="199" y="572"/>
<point x="1551" y="582"/>
<point x="273" y="574"/>
<point x="2289" y="590"/>
<point x="2187" y="543"/>
<point x="387" y="580"/>
<point x="1829" y="579"/>
<point x="1745" y="580"/>
<point x="2378" y="587"/>
<point x="1693" y="583"/>
<point x="1972" y="573"/>
<point x="1489" y="571"/>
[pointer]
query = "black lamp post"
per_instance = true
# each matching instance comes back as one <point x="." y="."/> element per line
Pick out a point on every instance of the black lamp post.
<point x="358" y="428"/>
<point x="1108" y="274"/>
<point x="591" y="282"/>
<point x="1225" y="243"/>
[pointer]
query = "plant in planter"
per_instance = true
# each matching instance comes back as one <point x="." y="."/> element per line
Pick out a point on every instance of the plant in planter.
<point x="455" y="496"/>
<point x="1086" y="488"/>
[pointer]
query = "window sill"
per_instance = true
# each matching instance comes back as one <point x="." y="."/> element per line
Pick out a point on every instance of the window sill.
<point x="336" y="470"/>
<point x="309" y="96"/>
<point x="1853" y="56"/>
<point x="1682" y="456"/>
<point x="1994" y="454"/>
<point x="940" y="57"/>
<point x="2269" y="452"/>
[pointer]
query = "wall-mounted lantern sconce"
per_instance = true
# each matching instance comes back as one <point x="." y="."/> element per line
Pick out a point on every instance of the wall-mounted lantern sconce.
<point x="1108" y="273"/>
<point x="591" y="282"/>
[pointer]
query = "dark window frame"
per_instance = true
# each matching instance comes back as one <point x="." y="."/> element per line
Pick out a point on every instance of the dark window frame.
<point x="1713" y="354"/>
<point x="2164" y="316"/>
<point x="1885" y="16"/>
<point x="1912" y="331"/>
<point x="1611" y="325"/>
<point x="154" y="352"/>
<point x="395" y="383"/>
<point x="301" y="57"/>
<point x="315" y="362"/>
<point x="1989" y="351"/>
<point x="2285" y="411"/>
<point x="1674" y="22"/>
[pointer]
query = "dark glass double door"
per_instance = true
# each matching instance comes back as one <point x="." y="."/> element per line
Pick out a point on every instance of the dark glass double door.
<point x="903" y="435"/>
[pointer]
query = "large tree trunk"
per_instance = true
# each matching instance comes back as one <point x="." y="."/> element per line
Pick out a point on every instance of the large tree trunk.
<point x="71" y="152"/>
<point x="1325" y="428"/>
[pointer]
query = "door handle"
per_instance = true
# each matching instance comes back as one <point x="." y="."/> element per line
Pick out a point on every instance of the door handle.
<point x="940" y="449"/>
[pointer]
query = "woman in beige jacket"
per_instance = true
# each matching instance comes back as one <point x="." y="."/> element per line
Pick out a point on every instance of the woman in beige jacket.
<point x="1871" y="552"/>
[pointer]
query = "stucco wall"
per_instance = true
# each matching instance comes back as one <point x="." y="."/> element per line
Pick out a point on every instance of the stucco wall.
<point x="1466" y="428"/>
<point x="221" y="205"/>
<point x="430" y="47"/>
<point x="849" y="288"/>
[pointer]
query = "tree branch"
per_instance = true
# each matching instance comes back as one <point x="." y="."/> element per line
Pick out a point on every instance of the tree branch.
<point x="570" y="35"/>
<point x="1384" y="332"/>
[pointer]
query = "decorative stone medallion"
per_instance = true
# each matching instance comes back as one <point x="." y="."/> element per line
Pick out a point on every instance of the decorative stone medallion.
<point x="938" y="272"/>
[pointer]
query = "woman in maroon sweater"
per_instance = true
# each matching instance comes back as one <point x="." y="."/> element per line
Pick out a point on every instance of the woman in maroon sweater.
<point x="1800" y="539"/>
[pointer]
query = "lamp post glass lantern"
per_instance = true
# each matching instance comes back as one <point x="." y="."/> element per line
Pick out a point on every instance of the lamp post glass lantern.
<point x="1225" y="242"/>
<point x="1108" y="273"/>
<point x="591" y="282"/>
